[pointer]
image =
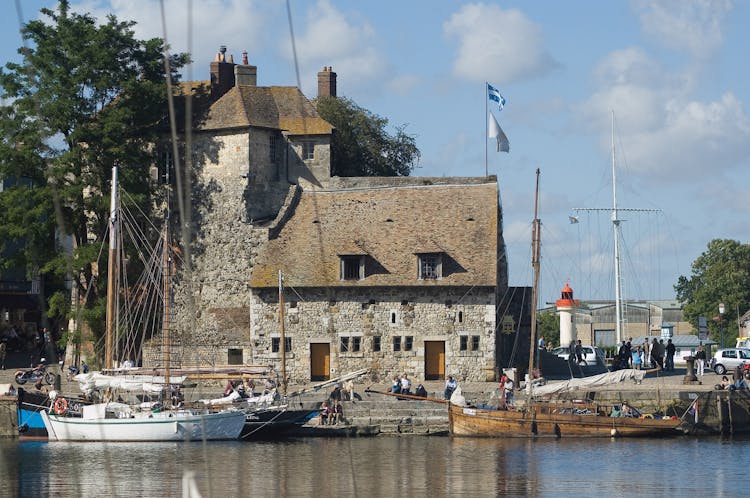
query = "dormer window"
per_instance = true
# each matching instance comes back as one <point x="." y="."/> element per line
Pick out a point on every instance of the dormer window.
<point x="430" y="266"/>
<point x="308" y="149"/>
<point x="352" y="267"/>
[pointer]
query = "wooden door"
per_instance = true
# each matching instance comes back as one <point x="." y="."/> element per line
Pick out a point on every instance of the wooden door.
<point x="434" y="360"/>
<point x="320" y="361"/>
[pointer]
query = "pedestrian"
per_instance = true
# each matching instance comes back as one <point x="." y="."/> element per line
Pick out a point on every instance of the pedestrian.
<point x="405" y="384"/>
<point x="541" y="344"/>
<point x="450" y="386"/>
<point x="509" y="391"/>
<point x="669" y="365"/>
<point x="579" y="352"/>
<point x="396" y="385"/>
<point x="636" y="358"/>
<point x="700" y="358"/>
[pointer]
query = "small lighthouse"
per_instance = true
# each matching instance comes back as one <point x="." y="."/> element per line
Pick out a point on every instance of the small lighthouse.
<point x="566" y="306"/>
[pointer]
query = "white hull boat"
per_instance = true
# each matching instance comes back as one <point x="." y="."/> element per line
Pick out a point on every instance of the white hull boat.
<point x="110" y="422"/>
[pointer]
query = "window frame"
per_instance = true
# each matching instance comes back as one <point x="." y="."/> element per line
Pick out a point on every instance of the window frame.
<point x="396" y="343"/>
<point x="430" y="266"/>
<point x="346" y="267"/>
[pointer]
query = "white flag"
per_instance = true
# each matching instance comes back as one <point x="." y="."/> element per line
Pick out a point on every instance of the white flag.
<point x="497" y="132"/>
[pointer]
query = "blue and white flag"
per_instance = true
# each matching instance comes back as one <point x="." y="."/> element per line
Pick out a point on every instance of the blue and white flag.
<point x="494" y="95"/>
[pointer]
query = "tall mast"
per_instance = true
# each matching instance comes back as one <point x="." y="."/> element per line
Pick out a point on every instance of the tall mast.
<point x="167" y="352"/>
<point x="616" y="229"/>
<point x="535" y="256"/>
<point x="111" y="272"/>
<point x="282" y="346"/>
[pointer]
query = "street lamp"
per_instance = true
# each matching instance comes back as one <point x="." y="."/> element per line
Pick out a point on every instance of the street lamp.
<point x="721" y="323"/>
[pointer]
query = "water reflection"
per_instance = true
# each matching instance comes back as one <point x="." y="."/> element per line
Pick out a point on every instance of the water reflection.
<point x="383" y="466"/>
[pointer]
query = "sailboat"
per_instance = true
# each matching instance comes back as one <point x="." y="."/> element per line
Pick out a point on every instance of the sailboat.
<point x="552" y="419"/>
<point x="117" y="421"/>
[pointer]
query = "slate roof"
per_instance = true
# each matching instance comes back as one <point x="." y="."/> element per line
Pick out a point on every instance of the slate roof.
<point x="390" y="225"/>
<point x="276" y="107"/>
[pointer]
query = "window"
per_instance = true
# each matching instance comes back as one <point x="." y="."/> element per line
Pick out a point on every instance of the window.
<point x="429" y="266"/>
<point x="308" y="150"/>
<point x="408" y="343"/>
<point x="475" y="343"/>
<point x="344" y="345"/>
<point x="234" y="356"/>
<point x="376" y="343"/>
<point x="464" y="343"/>
<point x="351" y="268"/>
<point x="356" y="343"/>
<point x="276" y="343"/>
<point x="460" y="317"/>
<point x="393" y="317"/>
<point x="396" y="344"/>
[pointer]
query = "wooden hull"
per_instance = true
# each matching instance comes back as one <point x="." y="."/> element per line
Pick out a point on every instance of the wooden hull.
<point x="547" y="421"/>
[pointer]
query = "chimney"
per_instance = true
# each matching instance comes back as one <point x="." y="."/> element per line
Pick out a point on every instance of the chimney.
<point x="245" y="74"/>
<point x="222" y="74"/>
<point x="326" y="82"/>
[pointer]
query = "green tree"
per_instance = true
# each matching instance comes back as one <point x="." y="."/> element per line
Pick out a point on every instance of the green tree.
<point x="87" y="96"/>
<point x="719" y="275"/>
<point x="548" y="326"/>
<point x="361" y="146"/>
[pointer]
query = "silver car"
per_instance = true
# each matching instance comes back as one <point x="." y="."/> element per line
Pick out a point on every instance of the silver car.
<point x="592" y="355"/>
<point x="728" y="359"/>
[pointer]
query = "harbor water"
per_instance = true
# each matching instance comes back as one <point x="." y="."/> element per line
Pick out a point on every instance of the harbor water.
<point x="380" y="466"/>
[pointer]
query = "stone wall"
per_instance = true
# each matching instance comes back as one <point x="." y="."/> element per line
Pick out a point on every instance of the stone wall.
<point x="325" y="316"/>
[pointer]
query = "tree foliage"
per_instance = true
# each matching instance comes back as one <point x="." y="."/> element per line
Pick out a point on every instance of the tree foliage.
<point x="361" y="146"/>
<point x="719" y="275"/>
<point x="548" y="326"/>
<point x="87" y="96"/>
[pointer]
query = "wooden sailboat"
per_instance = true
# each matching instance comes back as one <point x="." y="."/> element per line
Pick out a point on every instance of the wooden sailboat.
<point x="114" y="421"/>
<point x="549" y="419"/>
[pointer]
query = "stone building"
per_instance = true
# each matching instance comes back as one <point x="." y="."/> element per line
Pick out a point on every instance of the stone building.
<point x="400" y="278"/>
<point x="398" y="274"/>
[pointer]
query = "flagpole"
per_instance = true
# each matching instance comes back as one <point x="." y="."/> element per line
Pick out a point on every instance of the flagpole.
<point x="486" y="123"/>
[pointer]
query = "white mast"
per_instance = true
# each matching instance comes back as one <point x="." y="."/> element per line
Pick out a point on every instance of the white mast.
<point x="616" y="229"/>
<point x="111" y="272"/>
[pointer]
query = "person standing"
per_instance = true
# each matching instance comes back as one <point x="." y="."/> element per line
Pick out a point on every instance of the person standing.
<point x="541" y="343"/>
<point x="700" y="358"/>
<point x="636" y="358"/>
<point x="670" y="355"/>
<point x="450" y="386"/>
<point x="579" y="352"/>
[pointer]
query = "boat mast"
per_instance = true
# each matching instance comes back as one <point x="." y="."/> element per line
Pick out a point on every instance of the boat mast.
<point x="111" y="272"/>
<point x="616" y="228"/>
<point x="282" y="340"/>
<point x="535" y="256"/>
<point x="167" y="261"/>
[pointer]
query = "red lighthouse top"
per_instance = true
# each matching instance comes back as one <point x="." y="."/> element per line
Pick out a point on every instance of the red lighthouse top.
<point x="566" y="298"/>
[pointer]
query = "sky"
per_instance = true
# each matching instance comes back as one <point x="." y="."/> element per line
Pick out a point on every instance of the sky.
<point x="673" y="74"/>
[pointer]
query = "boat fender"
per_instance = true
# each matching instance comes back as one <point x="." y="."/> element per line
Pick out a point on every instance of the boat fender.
<point x="61" y="406"/>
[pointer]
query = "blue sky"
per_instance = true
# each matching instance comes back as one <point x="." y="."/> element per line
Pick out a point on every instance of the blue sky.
<point x="673" y="72"/>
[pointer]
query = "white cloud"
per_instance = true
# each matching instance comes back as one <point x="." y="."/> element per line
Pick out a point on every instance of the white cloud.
<point x="238" y="24"/>
<point x="664" y="131"/>
<point x="329" y="38"/>
<point x="694" y="26"/>
<point x="497" y="45"/>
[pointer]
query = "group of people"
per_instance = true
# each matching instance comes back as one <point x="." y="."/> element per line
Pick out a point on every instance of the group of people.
<point x="649" y="354"/>
<point x="331" y="413"/>
<point x="740" y="380"/>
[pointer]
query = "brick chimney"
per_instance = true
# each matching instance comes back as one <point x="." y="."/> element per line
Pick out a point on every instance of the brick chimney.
<point x="222" y="74"/>
<point x="245" y="74"/>
<point x="326" y="82"/>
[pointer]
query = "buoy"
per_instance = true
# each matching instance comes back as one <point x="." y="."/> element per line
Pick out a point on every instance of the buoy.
<point x="61" y="406"/>
<point x="613" y="432"/>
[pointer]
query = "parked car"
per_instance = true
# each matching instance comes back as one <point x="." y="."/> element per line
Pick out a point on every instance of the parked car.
<point x="728" y="359"/>
<point x="592" y="355"/>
